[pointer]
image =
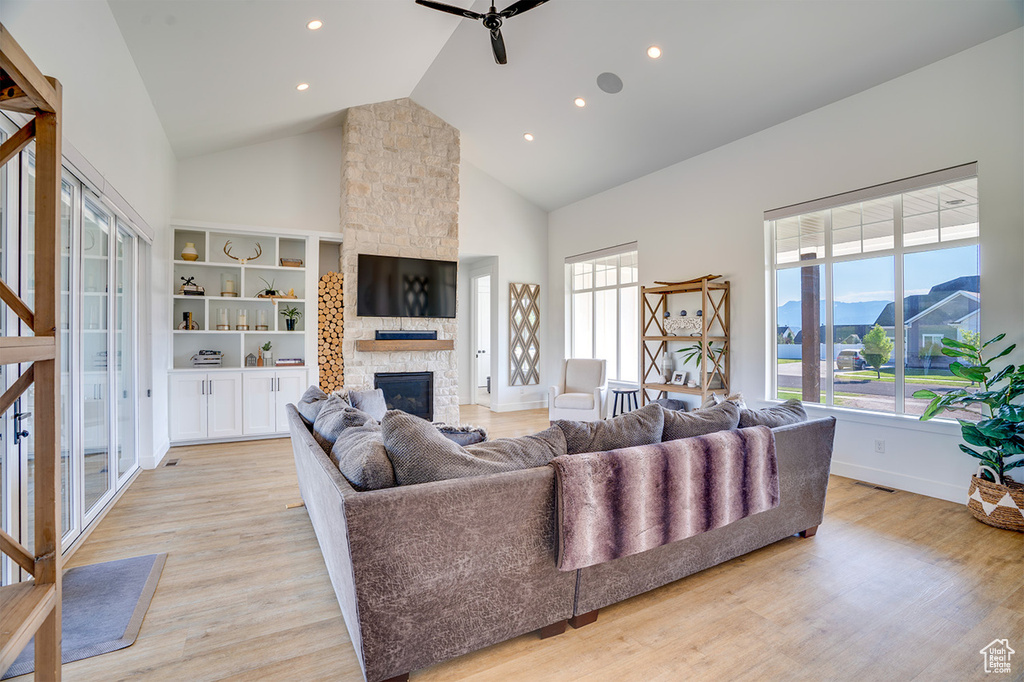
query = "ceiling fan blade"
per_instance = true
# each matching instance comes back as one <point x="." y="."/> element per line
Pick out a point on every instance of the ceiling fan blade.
<point x="498" y="46"/>
<point x="458" y="11"/>
<point x="519" y="7"/>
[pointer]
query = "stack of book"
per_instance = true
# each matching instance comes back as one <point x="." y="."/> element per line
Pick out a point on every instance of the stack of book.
<point x="207" y="358"/>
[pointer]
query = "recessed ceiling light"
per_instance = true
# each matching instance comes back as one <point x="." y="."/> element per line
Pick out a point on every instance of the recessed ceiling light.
<point x="580" y="102"/>
<point x="302" y="86"/>
<point x="528" y="137"/>
<point x="654" y="52"/>
<point x="314" y="25"/>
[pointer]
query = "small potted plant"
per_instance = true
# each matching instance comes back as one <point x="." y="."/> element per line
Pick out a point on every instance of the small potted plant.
<point x="997" y="441"/>
<point x="265" y="359"/>
<point x="290" y="316"/>
<point x="696" y="353"/>
<point x="269" y="291"/>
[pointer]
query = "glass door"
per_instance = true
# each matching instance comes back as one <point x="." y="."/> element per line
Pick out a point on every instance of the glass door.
<point x="125" y="365"/>
<point x="97" y="410"/>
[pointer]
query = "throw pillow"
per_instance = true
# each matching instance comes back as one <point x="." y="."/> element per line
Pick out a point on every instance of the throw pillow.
<point x="715" y="399"/>
<point x="420" y="453"/>
<point x="463" y="435"/>
<point x="371" y="402"/>
<point x="335" y="416"/>
<point x="700" y="422"/>
<point x="360" y="456"/>
<point x="789" y="412"/>
<point x="639" y="427"/>
<point x="310" y="403"/>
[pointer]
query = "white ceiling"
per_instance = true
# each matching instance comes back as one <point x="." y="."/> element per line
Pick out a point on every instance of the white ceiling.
<point x="223" y="74"/>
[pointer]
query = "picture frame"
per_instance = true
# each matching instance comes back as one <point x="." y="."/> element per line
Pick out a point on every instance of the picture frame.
<point x="679" y="377"/>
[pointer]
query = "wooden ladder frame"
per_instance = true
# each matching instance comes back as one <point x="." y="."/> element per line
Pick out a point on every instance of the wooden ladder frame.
<point x="32" y="608"/>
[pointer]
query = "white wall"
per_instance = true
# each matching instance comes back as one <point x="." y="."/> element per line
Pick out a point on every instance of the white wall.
<point x="706" y="215"/>
<point x="495" y="221"/>
<point x="110" y="120"/>
<point x="293" y="183"/>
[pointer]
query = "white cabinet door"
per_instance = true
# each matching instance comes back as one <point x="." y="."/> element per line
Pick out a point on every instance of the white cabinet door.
<point x="291" y="384"/>
<point x="224" y="396"/>
<point x="188" y="406"/>
<point x="259" y="403"/>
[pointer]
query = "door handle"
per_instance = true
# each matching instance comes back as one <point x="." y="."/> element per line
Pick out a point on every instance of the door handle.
<point x="211" y="386"/>
<point x="19" y="432"/>
<point x="203" y="386"/>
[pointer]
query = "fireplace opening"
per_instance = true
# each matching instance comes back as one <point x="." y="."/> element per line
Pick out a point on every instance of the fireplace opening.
<point x="411" y="392"/>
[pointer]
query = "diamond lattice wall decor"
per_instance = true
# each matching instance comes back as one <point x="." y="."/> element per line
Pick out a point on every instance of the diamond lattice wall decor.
<point x="523" y="334"/>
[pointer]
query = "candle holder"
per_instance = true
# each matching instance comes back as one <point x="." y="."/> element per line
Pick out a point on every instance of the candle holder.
<point x="222" y="320"/>
<point x="242" y="321"/>
<point x="227" y="286"/>
<point x="261" y="321"/>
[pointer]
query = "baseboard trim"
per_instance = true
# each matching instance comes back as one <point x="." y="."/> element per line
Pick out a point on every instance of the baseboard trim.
<point x="158" y="456"/>
<point x="911" y="484"/>
<point x="516" y="407"/>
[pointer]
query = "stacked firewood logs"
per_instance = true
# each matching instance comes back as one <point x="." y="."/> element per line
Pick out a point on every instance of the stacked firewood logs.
<point x="332" y="320"/>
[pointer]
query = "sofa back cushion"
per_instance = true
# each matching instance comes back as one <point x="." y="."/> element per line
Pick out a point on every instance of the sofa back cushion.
<point x="335" y="416"/>
<point x="370" y="401"/>
<point x="639" y="427"/>
<point x="420" y="453"/>
<point x="789" y="412"/>
<point x="360" y="456"/>
<point x="310" y="403"/>
<point x="722" y="417"/>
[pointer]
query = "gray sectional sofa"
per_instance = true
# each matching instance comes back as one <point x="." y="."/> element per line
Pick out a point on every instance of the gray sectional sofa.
<point x="431" y="571"/>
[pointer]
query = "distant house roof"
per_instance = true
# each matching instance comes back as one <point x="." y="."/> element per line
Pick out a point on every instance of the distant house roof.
<point x="914" y="306"/>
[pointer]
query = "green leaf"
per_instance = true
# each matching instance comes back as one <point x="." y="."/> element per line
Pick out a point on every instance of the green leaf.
<point x="1006" y="351"/>
<point x="1013" y="465"/>
<point x="1012" y="413"/>
<point x="972" y="453"/>
<point x="996" y="339"/>
<point x="926" y="393"/>
<point x="953" y="343"/>
<point x="1001" y="374"/>
<point x="975" y="373"/>
<point x="954" y="353"/>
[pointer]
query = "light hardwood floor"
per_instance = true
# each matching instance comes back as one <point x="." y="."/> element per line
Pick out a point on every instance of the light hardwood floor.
<point x="895" y="586"/>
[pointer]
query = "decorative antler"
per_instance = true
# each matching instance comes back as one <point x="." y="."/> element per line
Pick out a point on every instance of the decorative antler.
<point x="243" y="261"/>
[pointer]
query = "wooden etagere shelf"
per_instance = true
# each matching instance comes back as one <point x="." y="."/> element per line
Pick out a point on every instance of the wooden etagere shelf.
<point x="32" y="608"/>
<point x="655" y="341"/>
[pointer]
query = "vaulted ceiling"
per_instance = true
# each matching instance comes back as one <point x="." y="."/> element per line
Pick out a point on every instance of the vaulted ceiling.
<point x="223" y="74"/>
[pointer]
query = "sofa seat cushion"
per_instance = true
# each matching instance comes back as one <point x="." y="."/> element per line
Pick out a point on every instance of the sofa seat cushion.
<point x="462" y="434"/>
<point x="789" y="412"/>
<point x="721" y="417"/>
<point x="371" y="402"/>
<point x="310" y="403"/>
<point x="360" y="456"/>
<point x="420" y="453"/>
<point x="639" y="427"/>
<point x="575" y="401"/>
<point x="335" y="416"/>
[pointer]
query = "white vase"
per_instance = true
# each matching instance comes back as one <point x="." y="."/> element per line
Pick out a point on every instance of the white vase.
<point x="189" y="252"/>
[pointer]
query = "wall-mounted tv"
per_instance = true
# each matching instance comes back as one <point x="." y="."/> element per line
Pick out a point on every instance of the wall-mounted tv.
<point x="405" y="287"/>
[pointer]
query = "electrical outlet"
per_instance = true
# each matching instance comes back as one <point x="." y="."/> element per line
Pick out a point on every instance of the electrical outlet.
<point x="880" y="447"/>
<point x="522" y="391"/>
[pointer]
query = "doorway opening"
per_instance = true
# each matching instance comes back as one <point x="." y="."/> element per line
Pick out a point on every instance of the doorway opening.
<point x="481" y="330"/>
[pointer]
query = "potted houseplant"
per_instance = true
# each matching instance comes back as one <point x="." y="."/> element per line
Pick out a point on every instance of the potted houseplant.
<point x="265" y="359"/>
<point x="696" y="354"/>
<point x="269" y="290"/>
<point x="997" y="441"/>
<point x="290" y="316"/>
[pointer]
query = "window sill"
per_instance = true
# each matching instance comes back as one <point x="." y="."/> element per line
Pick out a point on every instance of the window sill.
<point x="946" y="427"/>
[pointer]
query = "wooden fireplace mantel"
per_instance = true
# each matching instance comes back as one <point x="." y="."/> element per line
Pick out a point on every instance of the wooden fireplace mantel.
<point x="395" y="345"/>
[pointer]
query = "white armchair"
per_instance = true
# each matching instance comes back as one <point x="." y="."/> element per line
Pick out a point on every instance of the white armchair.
<point x="580" y="393"/>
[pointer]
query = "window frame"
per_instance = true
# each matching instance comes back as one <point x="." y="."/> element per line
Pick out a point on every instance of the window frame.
<point x="893" y="191"/>
<point x="593" y="257"/>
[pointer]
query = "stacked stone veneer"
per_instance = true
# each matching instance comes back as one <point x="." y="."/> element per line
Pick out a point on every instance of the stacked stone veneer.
<point x="399" y="197"/>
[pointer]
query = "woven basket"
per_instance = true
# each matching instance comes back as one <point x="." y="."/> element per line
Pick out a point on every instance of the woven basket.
<point x="1000" y="504"/>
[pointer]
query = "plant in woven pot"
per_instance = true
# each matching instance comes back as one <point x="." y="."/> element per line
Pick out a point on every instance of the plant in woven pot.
<point x="997" y="441"/>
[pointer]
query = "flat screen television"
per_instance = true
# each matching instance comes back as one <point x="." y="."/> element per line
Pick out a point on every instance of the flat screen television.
<point x="405" y="287"/>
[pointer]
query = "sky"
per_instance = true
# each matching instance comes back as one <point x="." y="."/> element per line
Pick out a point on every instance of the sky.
<point x="872" y="279"/>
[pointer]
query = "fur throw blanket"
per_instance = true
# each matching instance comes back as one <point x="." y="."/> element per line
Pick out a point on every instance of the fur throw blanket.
<point x="621" y="502"/>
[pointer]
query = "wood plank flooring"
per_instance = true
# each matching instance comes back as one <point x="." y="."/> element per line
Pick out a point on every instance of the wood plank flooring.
<point x="894" y="586"/>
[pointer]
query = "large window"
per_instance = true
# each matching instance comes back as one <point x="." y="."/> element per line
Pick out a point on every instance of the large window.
<point x="604" y="297"/>
<point x="866" y="287"/>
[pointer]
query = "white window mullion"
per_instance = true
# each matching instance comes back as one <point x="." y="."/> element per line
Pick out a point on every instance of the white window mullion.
<point x="830" y="362"/>
<point x="899" y="347"/>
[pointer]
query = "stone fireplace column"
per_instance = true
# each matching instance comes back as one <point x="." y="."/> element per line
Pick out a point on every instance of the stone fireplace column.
<point x="399" y="197"/>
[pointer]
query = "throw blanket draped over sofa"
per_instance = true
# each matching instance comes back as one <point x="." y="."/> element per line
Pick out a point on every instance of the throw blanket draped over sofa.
<point x="623" y="502"/>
